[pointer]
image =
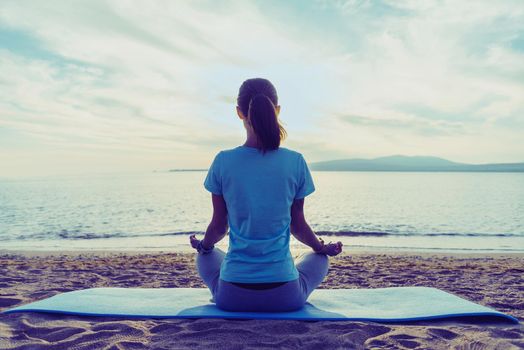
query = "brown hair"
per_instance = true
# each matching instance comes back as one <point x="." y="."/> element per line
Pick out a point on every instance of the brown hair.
<point x="257" y="99"/>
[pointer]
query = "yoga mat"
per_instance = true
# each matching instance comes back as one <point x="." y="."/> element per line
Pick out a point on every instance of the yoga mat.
<point x="381" y="304"/>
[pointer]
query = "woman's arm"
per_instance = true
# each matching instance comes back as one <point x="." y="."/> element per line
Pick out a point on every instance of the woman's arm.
<point x="218" y="226"/>
<point x="301" y="230"/>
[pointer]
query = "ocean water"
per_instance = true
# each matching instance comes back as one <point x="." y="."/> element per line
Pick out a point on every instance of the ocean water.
<point x="472" y="212"/>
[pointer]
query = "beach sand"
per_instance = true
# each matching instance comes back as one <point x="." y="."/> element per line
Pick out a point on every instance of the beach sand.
<point x="494" y="281"/>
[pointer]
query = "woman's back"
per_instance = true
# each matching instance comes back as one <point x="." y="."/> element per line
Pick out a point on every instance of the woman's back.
<point x="259" y="190"/>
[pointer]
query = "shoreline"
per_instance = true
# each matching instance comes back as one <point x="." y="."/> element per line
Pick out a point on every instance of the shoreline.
<point x="190" y="251"/>
<point x="360" y="244"/>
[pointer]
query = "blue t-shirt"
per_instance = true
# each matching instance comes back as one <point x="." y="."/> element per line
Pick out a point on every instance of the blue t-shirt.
<point x="259" y="191"/>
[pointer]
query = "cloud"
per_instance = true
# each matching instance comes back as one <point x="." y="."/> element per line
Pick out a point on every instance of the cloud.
<point x="355" y="78"/>
<point x="416" y="125"/>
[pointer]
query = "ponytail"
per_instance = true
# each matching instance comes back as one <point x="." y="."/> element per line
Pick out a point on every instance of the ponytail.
<point x="257" y="99"/>
<point x="263" y="118"/>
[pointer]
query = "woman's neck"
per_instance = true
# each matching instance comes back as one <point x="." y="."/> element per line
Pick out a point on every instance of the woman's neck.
<point x="251" y="142"/>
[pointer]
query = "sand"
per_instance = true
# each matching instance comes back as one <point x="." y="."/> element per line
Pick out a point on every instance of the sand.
<point x="495" y="281"/>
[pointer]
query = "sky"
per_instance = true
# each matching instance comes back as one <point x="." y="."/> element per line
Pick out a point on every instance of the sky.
<point x="120" y="86"/>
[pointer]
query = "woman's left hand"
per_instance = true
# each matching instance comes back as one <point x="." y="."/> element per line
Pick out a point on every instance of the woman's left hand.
<point x="194" y="241"/>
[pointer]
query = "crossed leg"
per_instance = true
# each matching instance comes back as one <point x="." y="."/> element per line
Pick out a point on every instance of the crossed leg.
<point x="312" y="267"/>
<point x="208" y="266"/>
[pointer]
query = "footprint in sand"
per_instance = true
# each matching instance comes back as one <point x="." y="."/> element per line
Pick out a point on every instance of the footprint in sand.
<point x="410" y="344"/>
<point x="118" y="328"/>
<point x="402" y="336"/>
<point x="201" y="325"/>
<point x="406" y="340"/>
<point x="378" y="344"/>
<point x="443" y="333"/>
<point x="52" y="334"/>
<point x="169" y="328"/>
<point x="7" y="302"/>
<point x="500" y="333"/>
<point x="40" y="294"/>
<point x="106" y="336"/>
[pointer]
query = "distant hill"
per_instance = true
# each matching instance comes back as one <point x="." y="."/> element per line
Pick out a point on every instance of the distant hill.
<point x="411" y="163"/>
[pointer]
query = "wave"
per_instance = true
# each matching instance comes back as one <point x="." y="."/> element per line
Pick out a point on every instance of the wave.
<point x="443" y="249"/>
<point x="78" y="235"/>
<point x="425" y="234"/>
<point x="75" y="235"/>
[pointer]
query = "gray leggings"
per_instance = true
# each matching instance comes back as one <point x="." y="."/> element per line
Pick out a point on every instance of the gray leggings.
<point x="312" y="268"/>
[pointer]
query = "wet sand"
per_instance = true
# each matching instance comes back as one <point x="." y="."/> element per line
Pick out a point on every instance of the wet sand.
<point x="492" y="280"/>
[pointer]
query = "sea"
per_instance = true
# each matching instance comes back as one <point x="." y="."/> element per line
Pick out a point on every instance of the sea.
<point x="366" y="211"/>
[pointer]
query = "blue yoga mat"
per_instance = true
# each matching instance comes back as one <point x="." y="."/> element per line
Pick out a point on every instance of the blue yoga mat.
<point x="382" y="304"/>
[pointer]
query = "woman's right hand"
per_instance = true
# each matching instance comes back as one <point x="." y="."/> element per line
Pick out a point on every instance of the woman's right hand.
<point x="331" y="248"/>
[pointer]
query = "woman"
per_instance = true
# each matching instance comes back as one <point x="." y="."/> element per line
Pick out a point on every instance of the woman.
<point x="258" y="192"/>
